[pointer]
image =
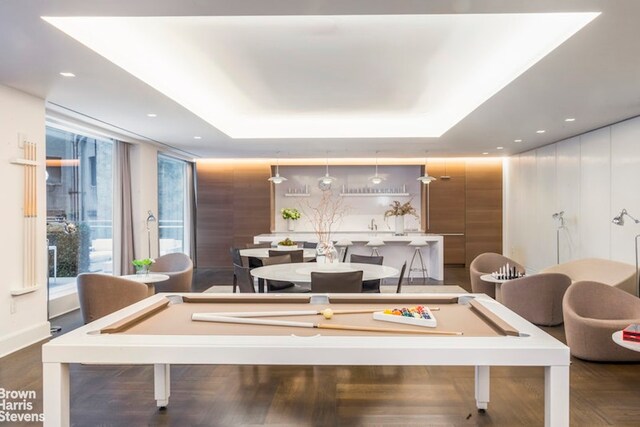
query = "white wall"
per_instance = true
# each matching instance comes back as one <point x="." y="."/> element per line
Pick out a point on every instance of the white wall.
<point x="23" y="319"/>
<point x="144" y="183"/>
<point x="361" y="210"/>
<point x="590" y="177"/>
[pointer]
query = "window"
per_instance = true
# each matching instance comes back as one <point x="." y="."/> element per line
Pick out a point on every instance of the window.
<point x="79" y="172"/>
<point x="172" y="204"/>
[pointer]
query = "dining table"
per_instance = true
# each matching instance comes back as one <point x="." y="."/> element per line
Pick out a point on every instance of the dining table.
<point x="300" y="273"/>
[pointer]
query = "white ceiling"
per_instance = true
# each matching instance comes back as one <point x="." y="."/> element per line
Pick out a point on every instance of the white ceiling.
<point x="270" y="73"/>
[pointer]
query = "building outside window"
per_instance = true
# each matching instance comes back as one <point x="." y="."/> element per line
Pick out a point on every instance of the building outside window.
<point x="79" y="182"/>
<point x="172" y="204"/>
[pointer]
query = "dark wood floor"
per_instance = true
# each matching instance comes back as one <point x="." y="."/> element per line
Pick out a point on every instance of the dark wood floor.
<point x="601" y="394"/>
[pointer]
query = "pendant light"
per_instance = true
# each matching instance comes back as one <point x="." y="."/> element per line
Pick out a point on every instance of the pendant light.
<point x="327" y="179"/>
<point x="376" y="179"/>
<point x="277" y="179"/>
<point x="426" y="178"/>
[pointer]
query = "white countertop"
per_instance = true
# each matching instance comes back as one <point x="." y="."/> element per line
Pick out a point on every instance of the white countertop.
<point x="355" y="236"/>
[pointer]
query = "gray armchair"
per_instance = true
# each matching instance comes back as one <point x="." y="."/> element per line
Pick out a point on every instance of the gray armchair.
<point x="487" y="263"/>
<point x="102" y="294"/>
<point x="179" y="268"/>
<point x="592" y="313"/>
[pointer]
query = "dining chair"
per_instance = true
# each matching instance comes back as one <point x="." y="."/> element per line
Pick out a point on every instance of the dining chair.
<point x="296" y="255"/>
<point x="244" y="279"/>
<point x="309" y="245"/>
<point x="369" y="286"/>
<point x="263" y="245"/>
<point x="236" y="259"/>
<point x="278" y="285"/>
<point x="102" y="294"/>
<point x="399" y="288"/>
<point x="342" y="282"/>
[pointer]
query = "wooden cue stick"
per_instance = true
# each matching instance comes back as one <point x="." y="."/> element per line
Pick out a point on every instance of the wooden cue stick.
<point x="250" y="321"/>
<point x="294" y="312"/>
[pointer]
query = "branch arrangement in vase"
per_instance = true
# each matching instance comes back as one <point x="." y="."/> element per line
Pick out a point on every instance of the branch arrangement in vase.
<point x="401" y="209"/>
<point x="328" y="211"/>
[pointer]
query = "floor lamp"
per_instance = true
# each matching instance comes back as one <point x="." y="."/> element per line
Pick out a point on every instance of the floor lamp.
<point x="559" y="216"/>
<point x="150" y="218"/>
<point x="619" y="220"/>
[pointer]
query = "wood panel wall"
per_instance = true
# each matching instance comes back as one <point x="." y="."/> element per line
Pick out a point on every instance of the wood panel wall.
<point x="233" y="205"/>
<point x="466" y="208"/>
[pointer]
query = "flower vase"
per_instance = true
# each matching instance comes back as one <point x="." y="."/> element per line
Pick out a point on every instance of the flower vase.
<point x="290" y="224"/>
<point x="326" y="253"/>
<point x="142" y="269"/>
<point x="399" y="231"/>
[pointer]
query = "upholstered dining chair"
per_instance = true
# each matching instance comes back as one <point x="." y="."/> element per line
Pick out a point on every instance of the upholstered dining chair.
<point x="537" y="298"/>
<point x="368" y="286"/>
<point x="310" y="245"/>
<point x="401" y="277"/>
<point x="487" y="263"/>
<point x="592" y="312"/>
<point x="296" y="255"/>
<point x="264" y="245"/>
<point x="178" y="267"/>
<point x="342" y="282"/>
<point x="102" y="294"/>
<point x="244" y="279"/>
<point x="282" y="286"/>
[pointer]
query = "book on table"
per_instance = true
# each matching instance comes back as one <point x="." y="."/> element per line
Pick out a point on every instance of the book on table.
<point x="631" y="333"/>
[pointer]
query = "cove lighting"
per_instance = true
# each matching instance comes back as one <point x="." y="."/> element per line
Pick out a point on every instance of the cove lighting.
<point x="258" y="76"/>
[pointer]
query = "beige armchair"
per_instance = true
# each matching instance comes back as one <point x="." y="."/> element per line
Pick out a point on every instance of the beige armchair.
<point x="102" y="294"/>
<point x="612" y="273"/>
<point x="179" y="268"/>
<point x="487" y="263"/>
<point x="537" y="298"/>
<point x="592" y="313"/>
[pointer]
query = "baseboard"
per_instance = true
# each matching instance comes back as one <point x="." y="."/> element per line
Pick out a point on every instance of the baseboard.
<point x="63" y="304"/>
<point x="24" y="338"/>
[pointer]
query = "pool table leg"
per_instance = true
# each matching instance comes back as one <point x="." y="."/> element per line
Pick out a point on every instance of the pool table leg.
<point x="483" y="381"/>
<point x="55" y="388"/>
<point x="556" y="396"/>
<point x="162" y="384"/>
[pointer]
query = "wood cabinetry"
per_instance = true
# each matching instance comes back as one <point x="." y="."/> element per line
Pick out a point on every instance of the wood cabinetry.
<point x="465" y="205"/>
<point x="233" y="205"/>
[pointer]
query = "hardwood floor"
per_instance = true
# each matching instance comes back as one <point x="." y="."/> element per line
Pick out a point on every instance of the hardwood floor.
<point x="601" y="394"/>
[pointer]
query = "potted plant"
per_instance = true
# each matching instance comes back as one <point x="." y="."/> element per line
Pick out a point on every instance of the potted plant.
<point x="399" y="210"/>
<point x="291" y="215"/>
<point x="142" y="265"/>
<point x="287" y="244"/>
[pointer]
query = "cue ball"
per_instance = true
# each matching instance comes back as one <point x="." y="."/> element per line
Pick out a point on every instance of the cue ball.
<point x="327" y="313"/>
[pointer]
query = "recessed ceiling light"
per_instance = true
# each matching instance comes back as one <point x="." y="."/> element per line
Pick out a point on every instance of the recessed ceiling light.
<point x="570" y="119"/>
<point x="499" y="148"/>
<point x="517" y="140"/>
<point x="152" y="115"/>
<point x="485" y="153"/>
<point x="495" y="50"/>
<point x="541" y="131"/>
<point x="67" y="74"/>
<point x="197" y="137"/>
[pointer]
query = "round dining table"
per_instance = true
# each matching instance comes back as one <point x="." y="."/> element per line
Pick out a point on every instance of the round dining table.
<point x="300" y="273"/>
<point x="262" y="253"/>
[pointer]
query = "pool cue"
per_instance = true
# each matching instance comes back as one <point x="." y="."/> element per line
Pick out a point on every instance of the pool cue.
<point x="205" y="317"/>
<point x="294" y="312"/>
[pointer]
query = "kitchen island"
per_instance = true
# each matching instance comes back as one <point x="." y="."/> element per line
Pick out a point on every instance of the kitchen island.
<point x="396" y="249"/>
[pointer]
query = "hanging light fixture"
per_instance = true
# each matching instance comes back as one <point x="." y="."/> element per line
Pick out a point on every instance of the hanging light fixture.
<point x="327" y="179"/>
<point x="277" y="179"/>
<point x="376" y="179"/>
<point x="426" y="178"/>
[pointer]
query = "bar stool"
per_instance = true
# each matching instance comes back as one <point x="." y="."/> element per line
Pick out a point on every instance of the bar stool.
<point x="374" y="244"/>
<point x="343" y="244"/>
<point x="418" y="244"/>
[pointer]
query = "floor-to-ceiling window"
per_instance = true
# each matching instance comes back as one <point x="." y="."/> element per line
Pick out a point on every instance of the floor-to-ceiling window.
<point x="79" y="186"/>
<point x="173" y="199"/>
